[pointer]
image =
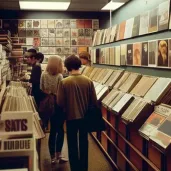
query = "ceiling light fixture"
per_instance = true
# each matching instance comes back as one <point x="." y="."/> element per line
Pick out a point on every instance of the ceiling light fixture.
<point x="112" y="5"/>
<point x="62" y="5"/>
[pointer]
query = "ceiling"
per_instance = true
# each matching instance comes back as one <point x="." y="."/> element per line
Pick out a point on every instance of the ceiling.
<point x="76" y="5"/>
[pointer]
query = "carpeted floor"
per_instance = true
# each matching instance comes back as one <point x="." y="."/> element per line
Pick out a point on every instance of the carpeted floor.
<point x="97" y="161"/>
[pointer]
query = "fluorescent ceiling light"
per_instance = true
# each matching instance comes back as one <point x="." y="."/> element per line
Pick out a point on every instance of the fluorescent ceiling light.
<point x="44" y="5"/>
<point x="112" y="5"/>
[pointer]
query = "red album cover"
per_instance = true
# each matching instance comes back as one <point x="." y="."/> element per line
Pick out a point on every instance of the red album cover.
<point x="36" y="42"/>
<point x="80" y="23"/>
<point x="88" y="23"/>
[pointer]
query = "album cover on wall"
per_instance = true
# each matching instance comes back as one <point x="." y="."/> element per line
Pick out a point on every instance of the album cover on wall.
<point x="59" y="23"/>
<point x="36" y="33"/>
<point x="74" y="32"/>
<point x="51" y="32"/>
<point x="52" y="50"/>
<point x="95" y="24"/>
<point x="163" y="16"/>
<point x="59" y="50"/>
<point x="22" y="40"/>
<point x="29" y="33"/>
<point x="153" y="21"/>
<point x="169" y="52"/>
<point x="152" y="53"/>
<point x="74" y="41"/>
<point x="66" y="50"/>
<point x="29" y="41"/>
<point x="74" y="50"/>
<point x="144" y="54"/>
<point x="123" y="53"/>
<point x="36" y="23"/>
<point x="66" y="41"/>
<point x="128" y="28"/>
<point x="52" y="42"/>
<point x="43" y="23"/>
<point x="80" y="23"/>
<point x="36" y="42"/>
<point x="88" y="41"/>
<point x="59" y="41"/>
<point x="66" y="33"/>
<point x="51" y="23"/>
<point x="136" y="26"/>
<point x="122" y="30"/>
<point x="144" y="21"/>
<point x="87" y="23"/>
<point x="22" y="32"/>
<point x="88" y="32"/>
<point x="29" y="24"/>
<point x="44" y="32"/>
<point x="81" y="41"/>
<point x="73" y="24"/>
<point x="162" y="59"/>
<point x="21" y="23"/>
<point x="44" y="42"/>
<point x="59" y="32"/>
<point x="129" y="54"/>
<point x="81" y="32"/>
<point x="66" y="23"/>
<point x="137" y="48"/>
<point x="82" y="48"/>
<point x="45" y="50"/>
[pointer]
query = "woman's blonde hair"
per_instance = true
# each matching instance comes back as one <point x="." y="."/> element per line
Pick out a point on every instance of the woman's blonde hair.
<point x="55" y="65"/>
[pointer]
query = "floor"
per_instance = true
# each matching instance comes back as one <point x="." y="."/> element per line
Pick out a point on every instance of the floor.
<point x="97" y="160"/>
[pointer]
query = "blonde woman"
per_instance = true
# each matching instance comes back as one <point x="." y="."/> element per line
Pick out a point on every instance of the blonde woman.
<point x="49" y="83"/>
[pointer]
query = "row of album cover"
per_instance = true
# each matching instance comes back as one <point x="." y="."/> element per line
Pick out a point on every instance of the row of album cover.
<point x="36" y="41"/>
<point x="151" y="21"/>
<point x="154" y="53"/>
<point x="133" y="97"/>
<point x="50" y="23"/>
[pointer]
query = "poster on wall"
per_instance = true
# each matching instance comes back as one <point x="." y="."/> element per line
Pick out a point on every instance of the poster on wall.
<point x="88" y="32"/>
<point x="169" y="52"/>
<point x="59" y="23"/>
<point x="45" y="50"/>
<point x="59" y="41"/>
<point x="74" y="42"/>
<point x="144" y="54"/>
<point x="87" y="23"/>
<point x="66" y="41"/>
<point x="122" y="30"/>
<point x="59" y="32"/>
<point x="44" y="42"/>
<point x="29" y="24"/>
<point x="36" y="41"/>
<point x="162" y="58"/>
<point x="44" y="32"/>
<point x="51" y="32"/>
<point x="95" y="24"/>
<point x="66" y="23"/>
<point x="74" y="32"/>
<point x="163" y="16"/>
<point x="52" y="50"/>
<point x="81" y="41"/>
<point x="152" y="53"/>
<point x="153" y="21"/>
<point x="88" y="41"/>
<point x="137" y="54"/>
<point x="67" y="50"/>
<point x="136" y="26"/>
<point x="29" y="41"/>
<point x="123" y="54"/>
<point x="29" y="33"/>
<point x="73" y="24"/>
<point x="129" y="54"/>
<point x="52" y="42"/>
<point x="36" y="23"/>
<point x="36" y="33"/>
<point x="43" y="24"/>
<point x="74" y="50"/>
<point x="128" y="28"/>
<point x="21" y="23"/>
<point x="66" y="33"/>
<point x="59" y="50"/>
<point x="144" y="21"/>
<point x="81" y="32"/>
<point x="22" y="32"/>
<point x="51" y="24"/>
<point x="80" y="23"/>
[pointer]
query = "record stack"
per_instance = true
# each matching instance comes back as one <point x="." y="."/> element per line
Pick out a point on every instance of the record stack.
<point x="19" y="131"/>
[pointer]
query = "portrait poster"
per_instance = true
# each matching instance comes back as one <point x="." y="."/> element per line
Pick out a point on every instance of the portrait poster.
<point x="73" y="24"/>
<point x="59" y="32"/>
<point x="74" y="32"/>
<point x="74" y="50"/>
<point x="45" y="50"/>
<point x="66" y="50"/>
<point x="88" y="41"/>
<point x="88" y="32"/>
<point x="44" y="42"/>
<point x="29" y="41"/>
<point x="43" y="23"/>
<point x="52" y="42"/>
<point x="59" y="41"/>
<point x="152" y="53"/>
<point x="22" y="40"/>
<point x="44" y="32"/>
<point x="129" y="54"/>
<point x="144" y="21"/>
<point x="36" y="23"/>
<point x="153" y="21"/>
<point x="87" y="23"/>
<point x="80" y="23"/>
<point x="36" y="42"/>
<point x="52" y="50"/>
<point x="29" y="24"/>
<point x="136" y="26"/>
<point x="81" y="32"/>
<point x="59" y="23"/>
<point x="0" y="23"/>
<point x="22" y="32"/>
<point x="51" y="32"/>
<point x="123" y="54"/>
<point x="36" y="33"/>
<point x="21" y="23"/>
<point x="66" y="33"/>
<point x="169" y="52"/>
<point x="66" y="23"/>
<point x="59" y="50"/>
<point x="144" y="54"/>
<point x="122" y="30"/>
<point x="128" y="28"/>
<point x="29" y="33"/>
<point x="95" y="24"/>
<point x="51" y="23"/>
<point x="163" y="16"/>
<point x="74" y="41"/>
<point x="137" y="48"/>
<point x="113" y="34"/>
<point x="162" y="58"/>
<point x="81" y="41"/>
<point x="66" y="42"/>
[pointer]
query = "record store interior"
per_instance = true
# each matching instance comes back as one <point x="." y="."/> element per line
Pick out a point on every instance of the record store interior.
<point x="85" y="85"/>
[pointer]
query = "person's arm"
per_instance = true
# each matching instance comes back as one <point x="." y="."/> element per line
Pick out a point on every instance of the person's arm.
<point x="61" y="96"/>
<point x="93" y="97"/>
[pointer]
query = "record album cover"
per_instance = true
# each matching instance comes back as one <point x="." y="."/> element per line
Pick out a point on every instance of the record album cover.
<point x="128" y="28"/>
<point x="51" y="23"/>
<point x="81" y="32"/>
<point x="22" y="32"/>
<point x="95" y="24"/>
<point x="73" y="24"/>
<point x="66" y="42"/>
<point x="22" y="40"/>
<point x="29" y="41"/>
<point x="51" y="32"/>
<point x="162" y="59"/>
<point x="59" y="41"/>
<point x="44" y="32"/>
<point x="44" y="42"/>
<point x="66" y="50"/>
<point x="81" y="41"/>
<point x="29" y="33"/>
<point x="129" y="54"/>
<point x="144" y="21"/>
<point x="74" y="50"/>
<point x="59" y="23"/>
<point x="36" y="23"/>
<point x="66" y="33"/>
<point x="144" y="54"/>
<point x="59" y="50"/>
<point x="52" y="42"/>
<point x="74" y="32"/>
<point x="136" y="26"/>
<point x="80" y="23"/>
<point x="52" y="50"/>
<point x="45" y="50"/>
<point x="153" y="20"/>
<point x="29" y="24"/>
<point x="66" y="23"/>
<point x="88" y="32"/>
<point x="82" y="48"/>
<point x="43" y="23"/>
<point x="87" y="23"/>
<point x="59" y="32"/>
<point x="88" y="41"/>
<point x="36" y="42"/>
<point x="36" y="33"/>
<point x="74" y="41"/>
<point x="21" y="23"/>
<point x="137" y="54"/>
<point x="152" y="53"/>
